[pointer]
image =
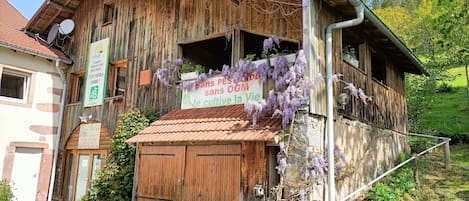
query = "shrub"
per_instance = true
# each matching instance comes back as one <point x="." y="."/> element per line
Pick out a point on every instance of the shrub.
<point x="6" y="194"/>
<point x="115" y="179"/>
<point x="395" y="186"/>
<point x="382" y="192"/>
<point x="444" y="88"/>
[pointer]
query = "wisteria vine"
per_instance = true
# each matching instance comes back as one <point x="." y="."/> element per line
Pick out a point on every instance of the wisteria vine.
<point x="291" y="88"/>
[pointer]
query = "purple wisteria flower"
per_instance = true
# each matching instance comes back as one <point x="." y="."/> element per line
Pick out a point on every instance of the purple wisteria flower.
<point x="301" y="59"/>
<point x="353" y="90"/>
<point x="263" y="71"/>
<point x="186" y="86"/>
<point x="226" y="71"/>
<point x="255" y="109"/>
<point x="210" y="73"/>
<point x="268" y="44"/>
<point x="178" y="62"/>
<point x="165" y="63"/>
<point x="301" y="194"/>
<point x="276" y="39"/>
<point x="336" y="77"/>
<point x="272" y="99"/>
<point x="163" y="76"/>
<point x="281" y="159"/>
<point x="362" y="95"/>
<point x="242" y="70"/>
<point x="317" y="167"/>
<point x="202" y="78"/>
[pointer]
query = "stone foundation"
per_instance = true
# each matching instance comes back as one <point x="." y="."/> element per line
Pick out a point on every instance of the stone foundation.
<point x="369" y="151"/>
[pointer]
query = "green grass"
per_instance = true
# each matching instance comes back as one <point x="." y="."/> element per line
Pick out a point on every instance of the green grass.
<point x="460" y="76"/>
<point x="438" y="183"/>
<point x="435" y="182"/>
<point x="449" y="113"/>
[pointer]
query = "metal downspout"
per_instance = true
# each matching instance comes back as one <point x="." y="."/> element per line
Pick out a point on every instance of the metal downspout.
<point x="329" y="94"/>
<point x="59" y="129"/>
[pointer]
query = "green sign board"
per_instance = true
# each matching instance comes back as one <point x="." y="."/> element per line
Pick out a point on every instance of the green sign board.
<point x="96" y="73"/>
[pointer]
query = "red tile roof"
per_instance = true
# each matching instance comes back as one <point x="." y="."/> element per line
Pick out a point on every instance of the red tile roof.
<point x="226" y="123"/>
<point x="11" y="36"/>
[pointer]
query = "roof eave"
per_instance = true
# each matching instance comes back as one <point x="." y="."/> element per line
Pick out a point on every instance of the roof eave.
<point x="36" y="15"/>
<point x="35" y="53"/>
<point x="396" y="41"/>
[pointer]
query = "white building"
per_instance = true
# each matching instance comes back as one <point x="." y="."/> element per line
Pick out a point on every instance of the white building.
<point x="30" y="97"/>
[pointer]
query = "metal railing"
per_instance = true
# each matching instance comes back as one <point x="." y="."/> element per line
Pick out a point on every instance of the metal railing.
<point x="445" y="141"/>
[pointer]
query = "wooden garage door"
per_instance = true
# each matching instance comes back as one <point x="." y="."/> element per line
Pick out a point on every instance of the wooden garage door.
<point x="213" y="173"/>
<point x="160" y="173"/>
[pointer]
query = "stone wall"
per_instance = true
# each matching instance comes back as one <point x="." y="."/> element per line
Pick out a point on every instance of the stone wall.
<point x="369" y="151"/>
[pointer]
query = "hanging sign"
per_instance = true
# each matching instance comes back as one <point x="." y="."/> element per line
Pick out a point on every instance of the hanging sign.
<point x="219" y="91"/>
<point x="96" y="73"/>
<point x="89" y="136"/>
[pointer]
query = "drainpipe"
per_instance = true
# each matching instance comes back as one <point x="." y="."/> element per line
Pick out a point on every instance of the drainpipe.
<point x="329" y="95"/>
<point x="59" y="129"/>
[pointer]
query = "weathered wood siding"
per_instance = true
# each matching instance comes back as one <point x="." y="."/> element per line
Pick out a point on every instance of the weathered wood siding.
<point x="147" y="32"/>
<point x="143" y="32"/>
<point x="390" y="111"/>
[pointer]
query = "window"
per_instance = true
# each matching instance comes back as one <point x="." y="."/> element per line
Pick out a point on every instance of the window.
<point x="81" y="168"/>
<point x="351" y="49"/>
<point x="77" y="86"/>
<point x="116" y="78"/>
<point x="215" y="51"/>
<point x="378" y="67"/>
<point x="108" y="11"/>
<point x="14" y="84"/>
<point x="212" y="53"/>
<point x="252" y="44"/>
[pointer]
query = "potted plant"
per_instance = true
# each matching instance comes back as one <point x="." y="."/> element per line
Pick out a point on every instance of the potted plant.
<point x="349" y="54"/>
<point x="190" y="71"/>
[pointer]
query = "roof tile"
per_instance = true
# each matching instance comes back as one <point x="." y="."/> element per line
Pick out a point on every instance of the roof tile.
<point x="226" y="123"/>
<point x="11" y="23"/>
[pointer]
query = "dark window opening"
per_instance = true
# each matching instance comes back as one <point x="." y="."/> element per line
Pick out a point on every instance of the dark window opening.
<point x="273" y="177"/>
<point x="13" y="85"/>
<point x="253" y="44"/>
<point x="351" y="49"/>
<point x="378" y="67"/>
<point x="108" y="13"/>
<point x="116" y="79"/>
<point x="77" y="86"/>
<point x="211" y="53"/>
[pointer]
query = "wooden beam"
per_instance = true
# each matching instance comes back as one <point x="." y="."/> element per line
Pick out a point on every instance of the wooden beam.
<point x="60" y="6"/>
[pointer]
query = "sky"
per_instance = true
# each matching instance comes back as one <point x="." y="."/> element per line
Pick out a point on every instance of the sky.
<point x="27" y="7"/>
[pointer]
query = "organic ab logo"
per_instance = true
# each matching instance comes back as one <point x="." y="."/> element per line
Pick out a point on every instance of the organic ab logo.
<point x="99" y="50"/>
<point x="94" y="92"/>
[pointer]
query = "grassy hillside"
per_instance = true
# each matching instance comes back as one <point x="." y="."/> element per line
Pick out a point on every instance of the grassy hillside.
<point x="449" y="113"/>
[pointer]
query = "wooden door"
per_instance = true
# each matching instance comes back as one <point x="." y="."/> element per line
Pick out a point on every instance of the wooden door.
<point x="160" y="173"/>
<point x="213" y="173"/>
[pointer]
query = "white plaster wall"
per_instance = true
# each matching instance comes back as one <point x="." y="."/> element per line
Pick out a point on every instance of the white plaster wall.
<point x="15" y="121"/>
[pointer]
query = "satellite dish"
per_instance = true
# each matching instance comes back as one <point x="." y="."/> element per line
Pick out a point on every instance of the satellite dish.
<point x="66" y="27"/>
<point x="52" y="33"/>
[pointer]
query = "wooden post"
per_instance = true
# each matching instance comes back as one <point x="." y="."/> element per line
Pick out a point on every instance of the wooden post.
<point x="467" y="86"/>
<point x="416" y="168"/>
<point x="447" y="155"/>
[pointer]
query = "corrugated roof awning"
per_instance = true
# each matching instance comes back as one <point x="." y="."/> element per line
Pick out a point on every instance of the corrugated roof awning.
<point x="226" y="123"/>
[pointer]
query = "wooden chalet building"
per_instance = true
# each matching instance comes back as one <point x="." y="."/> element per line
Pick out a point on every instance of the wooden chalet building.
<point x="201" y="153"/>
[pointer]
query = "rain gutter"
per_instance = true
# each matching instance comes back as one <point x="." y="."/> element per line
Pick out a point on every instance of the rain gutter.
<point x="34" y="53"/>
<point x="329" y="93"/>
<point x="59" y="129"/>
